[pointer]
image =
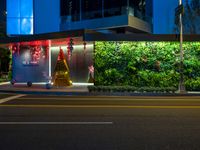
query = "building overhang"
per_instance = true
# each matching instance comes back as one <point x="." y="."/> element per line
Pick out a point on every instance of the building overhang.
<point x="141" y="37"/>
<point x="43" y="38"/>
<point x="90" y="36"/>
<point x="129" y="23"/>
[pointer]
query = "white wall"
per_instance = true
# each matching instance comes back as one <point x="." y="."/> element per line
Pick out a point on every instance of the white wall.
<point x="46" y="16"/>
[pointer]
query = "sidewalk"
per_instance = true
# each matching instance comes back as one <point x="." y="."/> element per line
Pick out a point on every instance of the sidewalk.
<point x="41" y="89"/>
<point x="75" y="90"/>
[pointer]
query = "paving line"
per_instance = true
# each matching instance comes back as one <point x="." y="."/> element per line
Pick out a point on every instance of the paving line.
<point x="10" y="98"/>
<point x="4" y="83"/>
<point x="103" y="106"/>
<point x="110" y="99"/>
<point x="56" y="123"/>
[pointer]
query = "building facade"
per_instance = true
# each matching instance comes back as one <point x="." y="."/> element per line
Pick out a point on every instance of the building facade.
<point x="39" y="58"/>
<point x="3" y="18"/>
<point x="36" y="16"/>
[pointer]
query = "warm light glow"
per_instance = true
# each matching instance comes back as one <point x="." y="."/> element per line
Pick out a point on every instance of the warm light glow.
<point x="75" y="46"/>
<point x="49" y="64"/>
<point x="44" y="83"/>
<point x="82" y="84"/>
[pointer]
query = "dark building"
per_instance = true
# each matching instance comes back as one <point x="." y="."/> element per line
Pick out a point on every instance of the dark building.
<point x="116" y="15"/>
<point x="2" y="18"/>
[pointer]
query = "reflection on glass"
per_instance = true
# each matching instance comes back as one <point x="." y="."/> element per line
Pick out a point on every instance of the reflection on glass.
<point x="26" y="26"/>
<point x="26" y="9"/>
<point x="13" y="26"/>
<point x="13" y="8"/>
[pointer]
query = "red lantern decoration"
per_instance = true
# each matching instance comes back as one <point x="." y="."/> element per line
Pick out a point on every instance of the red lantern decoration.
<point x="70" y="45"/>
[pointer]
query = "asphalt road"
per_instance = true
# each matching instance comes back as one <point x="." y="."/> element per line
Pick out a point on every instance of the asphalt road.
<point x="99" y="123"/>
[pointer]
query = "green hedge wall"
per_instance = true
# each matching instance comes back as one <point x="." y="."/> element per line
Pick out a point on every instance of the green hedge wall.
<point x="146" y="64"/>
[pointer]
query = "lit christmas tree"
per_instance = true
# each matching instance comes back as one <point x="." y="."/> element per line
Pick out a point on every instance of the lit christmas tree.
<point x="61" y="72"/>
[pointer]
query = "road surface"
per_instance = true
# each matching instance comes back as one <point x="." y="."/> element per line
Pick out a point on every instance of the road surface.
<point x="99" y="123"/>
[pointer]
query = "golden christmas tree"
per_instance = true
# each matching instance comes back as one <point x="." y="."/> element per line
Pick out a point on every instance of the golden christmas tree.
<point x="61" y="75"/>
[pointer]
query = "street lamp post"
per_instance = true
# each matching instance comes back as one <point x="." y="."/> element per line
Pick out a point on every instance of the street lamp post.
<point x="181" y="82"/>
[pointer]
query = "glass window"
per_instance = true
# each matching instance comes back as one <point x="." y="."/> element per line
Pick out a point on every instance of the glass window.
<point x="13" y="9"/>
<point x="114" y="7"/>
<point x="26" y="8"/>
<point x="26" y="26"/>
<point x="13" y="26"/>
<point x="19" y="17"/>
<point x="92" y="9"/>
<point x="70" y="8"/>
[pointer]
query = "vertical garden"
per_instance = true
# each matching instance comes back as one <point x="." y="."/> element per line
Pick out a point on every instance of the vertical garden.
<point x="146" y="64"/>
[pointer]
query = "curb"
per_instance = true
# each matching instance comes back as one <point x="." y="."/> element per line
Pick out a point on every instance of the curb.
<point x="96" y="93"/>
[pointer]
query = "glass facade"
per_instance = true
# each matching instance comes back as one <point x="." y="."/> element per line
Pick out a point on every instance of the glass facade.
<point x="19" y="17"/>
<point x="76" y="10"/>
<point x="31" y="63"/>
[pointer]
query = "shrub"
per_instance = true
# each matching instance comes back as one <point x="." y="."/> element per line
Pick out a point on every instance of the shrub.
<point x="130" y="89"/>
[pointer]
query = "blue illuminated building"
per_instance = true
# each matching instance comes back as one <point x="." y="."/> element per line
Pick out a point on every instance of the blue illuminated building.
<point x="44" y="16"/>
<point x="19" y="17"/>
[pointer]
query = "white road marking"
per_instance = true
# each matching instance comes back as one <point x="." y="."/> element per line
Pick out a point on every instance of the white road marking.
<point x="4" y="83"/>
<point x="10" y="98"/>
<point x="56" y="123"/>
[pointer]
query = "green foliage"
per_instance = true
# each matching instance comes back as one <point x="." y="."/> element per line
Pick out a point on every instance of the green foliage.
<point x="5" y="60"/>
<point x="145" y="64"/>
<point x="193" y="84"/>
<point x="131" y="89"/>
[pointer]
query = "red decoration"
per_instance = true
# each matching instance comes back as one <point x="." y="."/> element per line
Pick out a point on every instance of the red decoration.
<point x="36" y="54"/>
<point x="68" y="54"/>
<point x="91" y="69"/>
<point x="70" y="45"/>
<point x="14" y="49"/>
<point x="61" y="55"/>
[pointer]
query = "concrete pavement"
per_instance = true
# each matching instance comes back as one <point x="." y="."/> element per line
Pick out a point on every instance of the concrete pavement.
<point x="41" y="89"/>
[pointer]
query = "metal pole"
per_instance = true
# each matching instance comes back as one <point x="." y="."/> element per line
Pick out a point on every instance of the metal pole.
<point x="181" y="82"/>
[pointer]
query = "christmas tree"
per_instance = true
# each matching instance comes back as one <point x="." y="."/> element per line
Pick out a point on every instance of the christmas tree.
<point x="61" y="72"/>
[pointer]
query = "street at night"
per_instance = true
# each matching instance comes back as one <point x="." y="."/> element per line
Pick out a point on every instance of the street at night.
<point x="108" y="123"/>
<point x="99" y="75"/>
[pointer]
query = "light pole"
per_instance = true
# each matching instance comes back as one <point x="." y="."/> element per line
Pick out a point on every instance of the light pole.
<point x="181" y="82"/>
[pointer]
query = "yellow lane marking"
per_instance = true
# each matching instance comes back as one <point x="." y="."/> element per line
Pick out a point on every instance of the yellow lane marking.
<point x="110" y="99"/>
<point x="102" y="106"/>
